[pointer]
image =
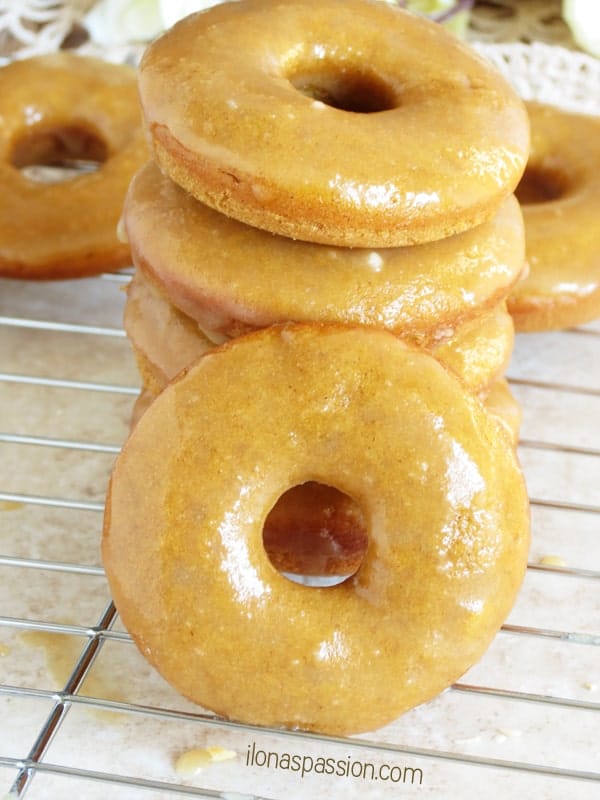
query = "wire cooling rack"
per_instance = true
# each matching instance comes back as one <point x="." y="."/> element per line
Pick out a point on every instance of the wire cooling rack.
<point x="82" y="715"/>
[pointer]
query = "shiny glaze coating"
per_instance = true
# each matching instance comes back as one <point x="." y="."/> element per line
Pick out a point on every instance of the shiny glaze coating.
<point x="66" y="229"/>
<point x="316" y="530"/>
<point x="247" y="108"/>
<point x="480" y="349"/>
<point x="434" y="475"/>
<point x="233" y="278"/>
<point x="165" y="340"/>
<point x="560" y="197"/>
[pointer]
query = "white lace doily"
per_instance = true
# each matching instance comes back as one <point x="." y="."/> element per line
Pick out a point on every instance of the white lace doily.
<point x="548" y="73"/>
<point x="35" y="27"/>
<point x="31" y="27"/>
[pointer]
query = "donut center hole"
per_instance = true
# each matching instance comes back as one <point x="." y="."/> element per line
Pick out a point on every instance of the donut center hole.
<point x="540" y="186"/>
<point x="52" y="155"/>
<point x="315" y="535"/>
<point x="346" y="89"/>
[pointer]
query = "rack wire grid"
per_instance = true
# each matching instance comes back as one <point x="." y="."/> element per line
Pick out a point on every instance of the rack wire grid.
<point x="83" y="715"/>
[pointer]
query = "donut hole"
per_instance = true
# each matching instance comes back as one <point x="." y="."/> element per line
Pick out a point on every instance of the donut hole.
<point x="59" y="153"/>
<point x="345" y="88"/>
<point x="540" y="185"/>
<point x="315" y="535"/>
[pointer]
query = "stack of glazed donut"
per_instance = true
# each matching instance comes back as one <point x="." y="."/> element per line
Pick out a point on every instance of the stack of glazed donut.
<point x="324" y="245"/>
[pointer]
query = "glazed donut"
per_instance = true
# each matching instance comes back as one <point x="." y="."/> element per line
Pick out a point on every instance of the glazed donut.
<point x="560" y="197"/>
<point x="312" y="530"/>
<point x="321" y="120"/>
<point x="233" y="278"/>
<point x="57" y="107"/>
<point x="436" y="479"/>
<point x="165" y="340"/>
<point x="318" y="531"/>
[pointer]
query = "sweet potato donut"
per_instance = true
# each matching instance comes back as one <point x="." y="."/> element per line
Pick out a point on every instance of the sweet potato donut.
<point x="312" y="529"/>
<point x="345" y="122"/>
<point x="233" y="278"/>
<point x="560" y="196"/>
<point x="165" y="340"/>
<point x="434" y="475"/>
<point x="57" y="108"/>
<point x="319" y="532"/>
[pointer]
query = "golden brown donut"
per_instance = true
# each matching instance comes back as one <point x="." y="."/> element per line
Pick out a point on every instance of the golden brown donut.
<point x="435" y="477"/>
<point x="560" y="197"/>
<point x="233" y="278"/>
<point x="316" y="530"/>
<point x="165" y="340"/>
<point x="66" y="107"/>
<point x="312" y="529"/>
<point x="345" y="122"/>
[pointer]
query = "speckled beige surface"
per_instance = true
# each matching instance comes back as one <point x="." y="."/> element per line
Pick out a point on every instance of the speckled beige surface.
<point x="138" y="726"/>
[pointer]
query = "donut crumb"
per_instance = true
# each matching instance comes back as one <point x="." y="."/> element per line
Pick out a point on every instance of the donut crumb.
<point x="553" y="561"/>
<point x="10" y="505"/>
<point x="192" y="761"/>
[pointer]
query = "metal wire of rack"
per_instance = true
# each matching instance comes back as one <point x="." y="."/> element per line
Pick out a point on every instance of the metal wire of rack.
<point x="83" y="715"/>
